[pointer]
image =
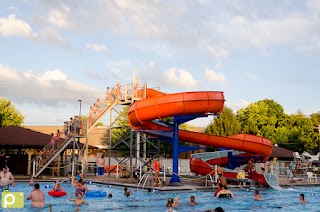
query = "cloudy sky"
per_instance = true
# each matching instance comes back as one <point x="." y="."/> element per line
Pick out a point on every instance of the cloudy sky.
<point x="56" y="52"/>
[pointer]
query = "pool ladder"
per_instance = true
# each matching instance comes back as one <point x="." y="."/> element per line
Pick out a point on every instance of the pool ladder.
<point x="145" y="178"/>
<point x="209" y="179"/>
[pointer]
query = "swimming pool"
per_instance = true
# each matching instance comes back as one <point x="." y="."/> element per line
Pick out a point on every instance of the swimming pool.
<point x="275" y="200"/>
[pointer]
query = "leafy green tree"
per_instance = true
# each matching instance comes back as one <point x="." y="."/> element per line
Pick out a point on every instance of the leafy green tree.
<point x="9" y="115"/>
<point x="315" y="118"/>
<point x="267" y="118"/>
<point x="225" y="125"/>
<point x="301" y="133"/>
<point x="261" y="118"/>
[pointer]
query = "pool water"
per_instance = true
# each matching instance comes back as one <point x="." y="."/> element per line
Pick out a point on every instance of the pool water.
<point x="275" y="200"/>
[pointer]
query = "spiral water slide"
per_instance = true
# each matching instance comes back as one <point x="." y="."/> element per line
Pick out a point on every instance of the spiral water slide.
<point x="158" y="105"/>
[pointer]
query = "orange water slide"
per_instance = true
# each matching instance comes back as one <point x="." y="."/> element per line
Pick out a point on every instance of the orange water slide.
<point x="158" y="105"/>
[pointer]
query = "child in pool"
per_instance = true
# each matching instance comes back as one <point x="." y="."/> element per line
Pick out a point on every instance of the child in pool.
<point x="192" y="201"/>
<point x="78" y="201"/>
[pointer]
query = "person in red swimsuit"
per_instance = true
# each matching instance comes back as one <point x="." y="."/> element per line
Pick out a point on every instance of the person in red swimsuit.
<point x="156" y="165"/>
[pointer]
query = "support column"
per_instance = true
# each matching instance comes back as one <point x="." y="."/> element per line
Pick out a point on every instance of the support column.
<point x="30" y="153"/>
<point x="144" y="146"/>
<point x="73" y="170"/>
<point x="137" y="148"/>
<point x="175" y="153"/>
<point x="58" y="165"/>
<point x="85" y="157"/>
<point x="131" y="152"/>
<point x="110" y="143"/>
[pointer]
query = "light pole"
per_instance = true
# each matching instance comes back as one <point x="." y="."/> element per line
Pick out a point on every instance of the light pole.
<point x="80" y="106"/>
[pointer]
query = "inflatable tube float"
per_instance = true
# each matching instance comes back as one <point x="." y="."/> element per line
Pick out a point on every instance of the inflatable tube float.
<point x="57" y="193"/>
<point x="96" y="194"/>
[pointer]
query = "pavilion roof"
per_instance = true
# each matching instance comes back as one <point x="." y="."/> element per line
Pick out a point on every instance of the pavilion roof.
<point x="14" y="136"/>
<point x="281" y="153"/>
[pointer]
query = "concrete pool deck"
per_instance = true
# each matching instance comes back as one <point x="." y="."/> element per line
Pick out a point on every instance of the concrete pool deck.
<point x="185" y="185"/>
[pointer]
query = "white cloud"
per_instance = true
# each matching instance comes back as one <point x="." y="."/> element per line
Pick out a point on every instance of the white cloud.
<point x="180" y="78"/>
<point x="221" y="29"/>
<point x="14" y="27"/>
<point x="49" y="88"/>
<point x="96" y="47"/>
<point x="8" y="73"/>
<point x="58" y="17"/>
<point x="237" y="104"/>
<point x="213" y="76"/>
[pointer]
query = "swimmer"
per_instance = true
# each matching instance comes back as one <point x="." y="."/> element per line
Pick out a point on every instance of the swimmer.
<point x="192" y="201"/>
<point x="80" y="187"/>
<point x="37" y="197"/>
<point x="170" y="205"/>
<point x="220" y="187"/>
<point x="78" y="201"/>
<point x="110" y="195"/>
<point x="126" y="192"/>
<point x="225" y="193"/>
<point x="6" y="177"/>
<point x="31" y="182"/>
<point x="176" y="202"/>
<point x="302" y="200"/>
<point x="57" y="187"/>
<point x="257" y="196"/>
<point x="79" y="175"/>
<point x="149" y="191"/>
<point x="218" y="209"/>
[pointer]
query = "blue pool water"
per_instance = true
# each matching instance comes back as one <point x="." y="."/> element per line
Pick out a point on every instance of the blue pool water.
<point x="275" y="200"/>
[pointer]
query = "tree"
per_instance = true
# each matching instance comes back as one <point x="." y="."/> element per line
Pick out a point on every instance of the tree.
<point x="267" y="118"/>
<point x="315" y="118"/>
<point x="261" y="118"/>
<point x="9" y="115"/>
<point x="225" y="125"/>
<point x="301" y="133"/>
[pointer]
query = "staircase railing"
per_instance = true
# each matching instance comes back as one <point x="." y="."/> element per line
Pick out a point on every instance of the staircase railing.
<point x="39" y="163"/>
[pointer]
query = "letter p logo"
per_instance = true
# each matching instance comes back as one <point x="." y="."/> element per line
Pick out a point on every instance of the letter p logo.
<point x="12" y="199"/>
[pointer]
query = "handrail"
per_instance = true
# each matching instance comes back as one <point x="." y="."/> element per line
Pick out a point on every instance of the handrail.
<point x="50" y="159"/>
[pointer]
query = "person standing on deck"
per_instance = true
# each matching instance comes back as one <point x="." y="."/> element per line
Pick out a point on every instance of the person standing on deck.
<point x="101" y="161"/>
<point x="156" y="167"/>
<point x="250" y="167"/>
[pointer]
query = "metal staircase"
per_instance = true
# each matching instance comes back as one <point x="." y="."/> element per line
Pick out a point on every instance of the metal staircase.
<point x="125" y="97"/>
<point x="39" y="164"/>
<point x="101" y="115"/>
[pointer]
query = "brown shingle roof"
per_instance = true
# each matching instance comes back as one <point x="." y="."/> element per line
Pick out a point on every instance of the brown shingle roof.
<point x="281" y="153"/>
<point x="94" y="137"/>
<point x="18" y="136"/>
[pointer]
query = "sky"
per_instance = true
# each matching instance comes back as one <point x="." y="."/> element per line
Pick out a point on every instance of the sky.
<point x="54" y="53"/>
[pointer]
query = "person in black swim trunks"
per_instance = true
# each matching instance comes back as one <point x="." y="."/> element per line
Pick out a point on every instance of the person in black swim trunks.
<point x="225" y="193"/>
